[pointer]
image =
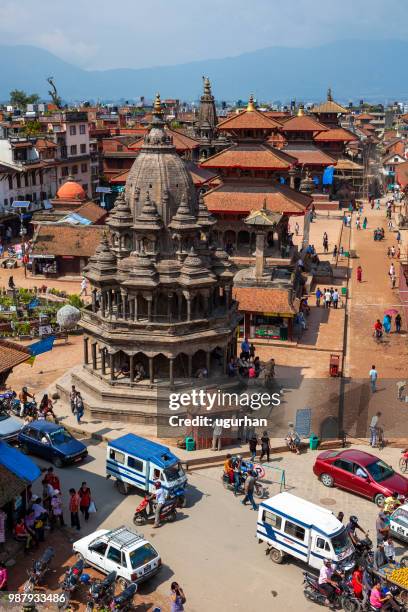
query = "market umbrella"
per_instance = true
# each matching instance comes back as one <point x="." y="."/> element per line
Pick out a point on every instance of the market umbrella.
<point x="391" y="311"/>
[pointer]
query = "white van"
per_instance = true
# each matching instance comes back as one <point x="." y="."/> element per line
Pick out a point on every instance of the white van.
<point x="292" y="526"/>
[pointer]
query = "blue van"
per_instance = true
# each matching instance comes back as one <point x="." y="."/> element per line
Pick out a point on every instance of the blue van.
<point x="52" y="442"/>
<point x="136" y="462"/>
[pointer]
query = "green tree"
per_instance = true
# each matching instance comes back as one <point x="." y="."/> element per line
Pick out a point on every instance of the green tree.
<point x="32" y="128"/>
<point x="19" y="98"/>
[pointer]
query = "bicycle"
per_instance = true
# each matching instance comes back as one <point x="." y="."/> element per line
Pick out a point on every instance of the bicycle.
<point x="380" y="442"/>
<point x="403" y="462"/>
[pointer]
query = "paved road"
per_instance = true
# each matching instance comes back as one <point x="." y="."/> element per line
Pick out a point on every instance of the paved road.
<point x="212" y="550"/>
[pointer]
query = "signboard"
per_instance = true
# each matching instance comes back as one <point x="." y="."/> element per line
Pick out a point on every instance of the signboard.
<point x="20" y="204"/>
<point x="303" y="422"/>
<point x="103" y="190"/>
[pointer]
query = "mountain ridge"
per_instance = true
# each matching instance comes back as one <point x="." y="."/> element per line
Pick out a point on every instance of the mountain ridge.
<point x="353" y="68"/>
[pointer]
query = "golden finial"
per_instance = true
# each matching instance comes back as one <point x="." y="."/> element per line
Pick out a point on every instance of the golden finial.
<point x="157" y="104"/>
<point x="301" y="110"/>
<point x="329" y="95"/>
<point x="251" y="105"/>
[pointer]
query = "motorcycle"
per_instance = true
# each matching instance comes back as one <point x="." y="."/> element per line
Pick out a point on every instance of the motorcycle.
<point x="344" y="598"/>
<point x="71" y="582"/>
<point x="180" y="496"/>
<point x="6" y="401"/>
<point x="364" y="551"/>
<point x="101" y="592"/>
<point x="168" y="511"/>
<point x="124" y="600"/>
<point x="40" y="567"/>
<point x="259" y="490"/>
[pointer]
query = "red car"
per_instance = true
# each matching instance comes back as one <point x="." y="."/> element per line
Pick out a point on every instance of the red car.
<point x="361" y="473"/>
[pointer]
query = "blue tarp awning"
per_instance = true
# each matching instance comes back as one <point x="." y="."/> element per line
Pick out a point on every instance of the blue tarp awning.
<point x="17" y="463"/>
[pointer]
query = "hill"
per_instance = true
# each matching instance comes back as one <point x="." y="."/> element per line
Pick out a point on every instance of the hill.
<point x="354" y="69"/>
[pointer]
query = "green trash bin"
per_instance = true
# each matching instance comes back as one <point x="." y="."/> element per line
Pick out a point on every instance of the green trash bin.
<point x="313" y="442"/>
<point x="344" y="291"/>
<point x="190" y="444"/>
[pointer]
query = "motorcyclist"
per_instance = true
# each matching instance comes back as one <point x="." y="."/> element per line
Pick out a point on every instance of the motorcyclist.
<point x="326" y="581"/>
<point x="237" y="465"/>
<point x="23" y="397"/>
<point x="351" y="528"/>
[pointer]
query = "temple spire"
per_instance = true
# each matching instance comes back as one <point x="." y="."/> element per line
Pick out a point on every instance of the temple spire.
<point x="157" y="107"/>
<point x="301" y="110"/>
<point x="329" y="95"/>
<point x="251" y="105"/>
<point x="207" y="86"/>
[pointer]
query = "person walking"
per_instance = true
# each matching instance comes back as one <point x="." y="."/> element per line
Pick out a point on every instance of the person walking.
<point x="319" y="296"/>
<point x="72" y="398"/>
<point x="327" y="297"/>
<point x="85" y="500"/>
<point x="56" y="509"/>
<point x="79" y="407"/>
<point x="74" y="502"/>
<point x="391" y="271"/>
<point x="374" y="429"/>
<point x="84" y="287"/>
<point x="335" y="298"/>
<point x="249" y="487"/>
<point x="373" y="375"/>
<point x="335" y="251"/>
<point x="52" y="479"/>
<point x="297" y="228"/>
<point x="393" y="251"/>
<point x="253" y="442"/>
<point x="397" y="321"/>
<point x="217" y="436"/>
<point x="365" y="223"/>
<point x="265" y="446"/>
<point x="359" y="274"/>
<point x="177" y="597"/>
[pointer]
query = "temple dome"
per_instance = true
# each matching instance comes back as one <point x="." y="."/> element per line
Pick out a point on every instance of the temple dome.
<point x="159" y="170"/>
<point x="71" y="190"/>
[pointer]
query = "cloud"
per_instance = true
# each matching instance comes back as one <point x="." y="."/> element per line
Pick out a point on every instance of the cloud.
<point x="99" y="34"/>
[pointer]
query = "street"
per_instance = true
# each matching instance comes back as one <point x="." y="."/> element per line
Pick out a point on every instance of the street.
<point x="211" y="550"/>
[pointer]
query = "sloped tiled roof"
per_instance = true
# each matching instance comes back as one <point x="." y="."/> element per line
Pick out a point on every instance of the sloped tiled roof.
<point x="250" y="156"/>
<point x="91" y="211"/>
<point x="329" y="107"/>
<point x="240" y="197"/>
<point x="59" y="240"/>
<point x="272" y="300"/>
<point x="12" y="354"/>
<point x="336" y="134"/>
<point x="249" y="120"/>
<point x="308" y="154"/>
<point x="303" y="123"/>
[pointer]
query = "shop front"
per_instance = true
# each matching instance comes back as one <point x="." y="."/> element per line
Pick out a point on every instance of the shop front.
<point x="43" y="264"/>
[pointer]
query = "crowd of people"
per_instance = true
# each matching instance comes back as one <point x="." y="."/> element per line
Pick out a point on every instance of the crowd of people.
<point x="247" y="365"/>
<point x="329" y="297"/>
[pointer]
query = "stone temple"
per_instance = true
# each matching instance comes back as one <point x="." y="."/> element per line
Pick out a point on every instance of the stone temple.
<point x="162" y="312"/>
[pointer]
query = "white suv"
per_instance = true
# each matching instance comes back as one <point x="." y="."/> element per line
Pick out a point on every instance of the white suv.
<point x="122" y="551"/>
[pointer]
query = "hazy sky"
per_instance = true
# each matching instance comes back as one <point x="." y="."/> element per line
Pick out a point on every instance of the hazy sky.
<point x="135" y="33"/>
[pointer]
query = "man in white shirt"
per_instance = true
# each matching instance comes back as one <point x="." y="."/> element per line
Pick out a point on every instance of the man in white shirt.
<point x="335" y="298"/>
<point x="373" y="375"/>
<point x="325" y="580"/>
<point x="160" y="501"/>
<point x="327" y="298"/>
<point x="374" y="429"/>
<point x="84" y="286"/>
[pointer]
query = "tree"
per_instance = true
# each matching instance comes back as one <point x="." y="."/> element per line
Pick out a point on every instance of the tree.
<point x="54" y="93"/>
<point x="32" y="128"/>
<point x="20" y="99"/>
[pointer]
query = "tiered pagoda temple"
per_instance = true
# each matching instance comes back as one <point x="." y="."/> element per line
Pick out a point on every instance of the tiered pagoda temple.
<point x="162" y="311"/>
<point x="253" y="173"/>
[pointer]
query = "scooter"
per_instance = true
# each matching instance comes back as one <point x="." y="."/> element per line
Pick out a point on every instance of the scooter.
<point x="124" y="601"/>
<point x="168" y="511"/>
<point x="344" y="598"/>
<point x="101" y="592"/>
<point x="72" y="580"/>
<point x="40" y="567"/>
<point x="259" y="490"/>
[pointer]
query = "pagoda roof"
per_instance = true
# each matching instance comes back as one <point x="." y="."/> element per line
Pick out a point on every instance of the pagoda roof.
<point x="303" y="123"/>
<point x="365" y="116"/>
<point x="329" y="107"/>
<point x="269" y="299"/>
<point x="246" y="197"/>
<point x="336" y="134"/>
<point x="249" y="120"/>
<point x="200" y="175"/>
<point x="308" y="154"/>
<point x="347" y="164"/>
<point x="254" y="155"/>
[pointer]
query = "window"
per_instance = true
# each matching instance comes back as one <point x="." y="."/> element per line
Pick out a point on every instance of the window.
<point x="84" y="167"/>
<point x="10" y="181"/>
<point x="323" y="544"/>
<point x="82" y="129"/>
<point x="74" y="169"/>
<point x="65" y="171"/>
<point x="25" y="179"/>
<point x="344" y="465"/>
<point x="119" y="148"/>
<point x="6" y="202"/>
<point x="73" y="149"/>
<point x="99" y="547"/>
<point x="117" y="456"/>
<point x="135" y="464"/>
<point x="72" y="130"/>
<point x="33" y="433"/>
<point x="114" y="555"/>
<point x="85" y="187"/>
<point x="18" y="181"/>
<point x="33" y="178"/>
<point x="142" y="555"/>
<point x="294" y="530"/>
<point x="272" y="519"/>
<point x="124" y="563"/>
<point x="83" y="148"/>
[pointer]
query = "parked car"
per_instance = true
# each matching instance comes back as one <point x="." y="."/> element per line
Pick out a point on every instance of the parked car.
<point x="9" y="427"/>
<point x="52" y="442"/>
<point x="122" y="551"/>
<point x="399" y="523"/>
<point x="361" y="473"/>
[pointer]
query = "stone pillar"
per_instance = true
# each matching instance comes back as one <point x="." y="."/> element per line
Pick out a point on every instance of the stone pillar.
<point x="132" y="368"/>
<point x="228" y="296"/>
<point x="135" y="312"/>
<point x="207" y="357"/>
<point x="259" y="255"/>
<point x="169" y="305"/>
<point x="131" y="309"/>
<point x="306" y="230"/>
<point x="189" y="309"/>
<point x="93" y="349"/>
<point x="86" y="355"/>
<point x="151" y="373"/>
<point x="103" y="361"/>
<point x="112" y="366"/>
<point x="109" y="296"/>
<point x="118" y="305"/>
<point x="179" y="305"/>
<point x="124" y="307"/>
<point x="292" y="174"/>
<point x="171" y="370"/>
<point x="190" y="366"/>
<point x="149" y="309"/>
<point x="103" y="303"/>
<point x="93" y="300"/>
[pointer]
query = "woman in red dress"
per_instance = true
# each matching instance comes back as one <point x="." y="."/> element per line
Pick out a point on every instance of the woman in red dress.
<point x="359" y="274"/>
